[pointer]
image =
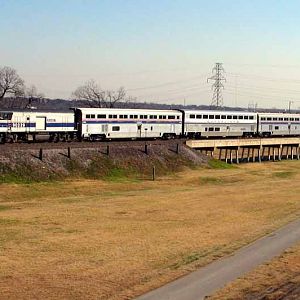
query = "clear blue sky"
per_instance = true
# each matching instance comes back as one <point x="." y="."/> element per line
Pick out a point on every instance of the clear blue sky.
<point x="160" y="50"/>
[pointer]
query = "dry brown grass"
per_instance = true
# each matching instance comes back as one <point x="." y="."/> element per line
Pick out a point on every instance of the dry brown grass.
<point x="114" y="240"/>
<point x="272" y="280"/>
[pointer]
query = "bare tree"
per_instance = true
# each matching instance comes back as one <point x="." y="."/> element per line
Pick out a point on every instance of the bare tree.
<point x="31" y="94"/>
<point x="92" y="93"/>
<point x="10" y="82"/>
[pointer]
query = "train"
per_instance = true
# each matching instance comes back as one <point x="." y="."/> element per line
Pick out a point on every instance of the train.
<point x="98" y="124"/>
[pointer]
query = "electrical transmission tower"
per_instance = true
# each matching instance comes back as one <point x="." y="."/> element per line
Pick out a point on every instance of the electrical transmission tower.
<point x="218" y="78"/>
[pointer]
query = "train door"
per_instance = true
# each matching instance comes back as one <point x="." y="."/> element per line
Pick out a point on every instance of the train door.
<point x="139" y="130"/>
<point x="172" y="128"/>
<point x="40" y="123"/>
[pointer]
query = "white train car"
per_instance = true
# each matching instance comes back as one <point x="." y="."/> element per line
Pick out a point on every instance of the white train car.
<point x="113" y="123"/>
<point x="216" y="123"/>
<point x="277" y="124"/>
<point x="27" y="125"/>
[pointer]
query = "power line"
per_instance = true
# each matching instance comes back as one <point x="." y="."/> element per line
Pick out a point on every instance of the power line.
<point x="217" y="86"/>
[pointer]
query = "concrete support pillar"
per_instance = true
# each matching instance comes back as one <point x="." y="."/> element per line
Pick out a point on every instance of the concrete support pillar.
<point x="230" y="156"/>
<point x="248" y="154"/>
<point x="243" y="149"/>
<point x="226" y="160"/>
<point x="298" y="152"/>
<point x="237" y="155"/>
<point x="280" y="152"/>
<point x="269" y="155"/>
<point x="274" y="157"/>
<point x="292" y="152"/>
<point x="253" y="154"/>
<point x="220" y="154"/>
<point x="259" y="154"/>
<point x="263" y="152"/>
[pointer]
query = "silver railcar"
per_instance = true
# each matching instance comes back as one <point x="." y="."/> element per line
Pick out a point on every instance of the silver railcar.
<point x="215" y="123"/>
<point x="272" y="124"/>
<point x="114" y="123"/>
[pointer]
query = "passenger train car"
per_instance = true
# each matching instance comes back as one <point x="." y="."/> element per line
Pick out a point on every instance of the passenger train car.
<point x="113" y="123"/>
<point x="101" y="123"/>
<point x="209" y="123"/>
<point x="278" y="124"/>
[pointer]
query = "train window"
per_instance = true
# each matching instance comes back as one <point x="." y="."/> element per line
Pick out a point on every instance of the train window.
<point x="5" y="116"/>
<point x="280" y="119"/>
<point x="151" y="117"/>
<point x="131" y="117"/>
<point x="110" y="116"/>
<point x="263" y="119"/>
<point x="251" y="117"/>
<point x="141" y="117"/>
<point x="217" y="129"/>
<point x="269" y="119"/>
<point x="160" y="117"/>
<point x="235" y="117"/>
<point x="296" y="119"/>
<point x="286" y="119"/>
<point x="88" y="116"/>
<point x="206" y="129"/>
<point x="217" y="116"/>
<point x="151" y="128"/>
<point x="199" y="116"/>
<point x="125" y="116"/>
<point x="192" y="116"/>
<point x="164" y="117"/>
<point x="171" y="117"/>
<point x="101" y="116"/>
<point x="292" y="119"/>
<point x="205" y="116"/>
<point x="93" y="116"/>
<point x="241" y="117"/>
<point x="229" y="117"/>
<point x="275" y="119"/>
<point x="211" y="129"/>
<point x="246" y="117"/>
<point x="223" y="117"/>
<point x="276" y="127"/>
<point x="145" y="117"/>
<point x="154" y="117"/>
<point x="121" y="116"/>
<point x="211" y="116"/>
<point x="116" y="128"/>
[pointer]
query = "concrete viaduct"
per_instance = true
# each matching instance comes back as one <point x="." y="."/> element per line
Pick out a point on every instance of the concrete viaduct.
<point x="249" y="149"/>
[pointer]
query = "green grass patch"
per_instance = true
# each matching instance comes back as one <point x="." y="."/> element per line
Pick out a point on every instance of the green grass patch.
<point x="284" y="174"/>
<point x="196" y="256"/>
<point x="211" y="180"/>
<point x="218" y="164"/>
<point x="8" y="222"/>
<point x="4" y="207"/>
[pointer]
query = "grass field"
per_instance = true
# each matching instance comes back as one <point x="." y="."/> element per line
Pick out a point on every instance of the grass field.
<point x="277" y="278"/>
<point x="118" y="238"/>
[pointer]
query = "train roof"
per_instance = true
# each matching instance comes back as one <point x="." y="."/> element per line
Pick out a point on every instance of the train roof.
<point x="220" y="112"/>
<point x="141" y="110"/>
<point x="35" y="110"/>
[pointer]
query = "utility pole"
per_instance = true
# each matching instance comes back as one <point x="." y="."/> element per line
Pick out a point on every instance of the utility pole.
<point x="217" y="86"/>
<point x="290" y="104"/>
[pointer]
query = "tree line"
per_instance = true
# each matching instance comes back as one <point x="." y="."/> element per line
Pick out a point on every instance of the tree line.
<point x="13" y="86"/>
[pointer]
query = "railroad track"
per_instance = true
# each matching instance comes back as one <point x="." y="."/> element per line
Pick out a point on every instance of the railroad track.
<point x="82" y="145"/>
